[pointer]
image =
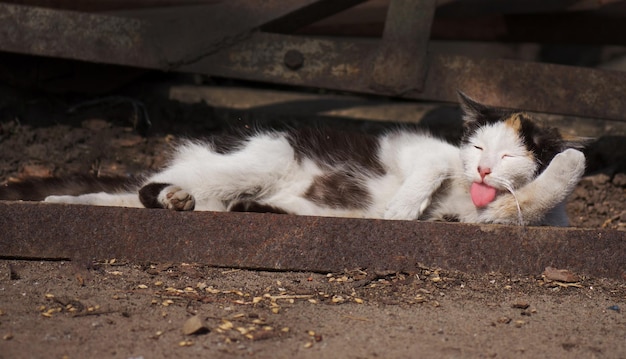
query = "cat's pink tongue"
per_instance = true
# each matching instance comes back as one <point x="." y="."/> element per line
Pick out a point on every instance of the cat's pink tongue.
<point x="482" y="194"/>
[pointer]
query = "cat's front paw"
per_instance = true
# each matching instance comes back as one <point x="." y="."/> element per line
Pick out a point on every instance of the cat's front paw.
<point x="405" y="210"/>
<point x="177" y="199"/>
<point x="568" y="165"/>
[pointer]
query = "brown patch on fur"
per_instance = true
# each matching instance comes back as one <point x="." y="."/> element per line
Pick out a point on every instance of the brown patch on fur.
<point x="338" y="190"/>
<point x="515" y="121"/>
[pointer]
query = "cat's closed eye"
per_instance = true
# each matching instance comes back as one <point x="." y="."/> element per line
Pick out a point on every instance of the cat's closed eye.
<point x="478" y="147"/>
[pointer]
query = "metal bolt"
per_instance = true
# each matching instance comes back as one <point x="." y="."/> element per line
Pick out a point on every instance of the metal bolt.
<point x="294" y="59"/>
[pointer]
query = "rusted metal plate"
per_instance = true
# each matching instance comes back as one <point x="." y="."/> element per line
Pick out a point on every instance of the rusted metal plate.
<point x="285" y="242"/>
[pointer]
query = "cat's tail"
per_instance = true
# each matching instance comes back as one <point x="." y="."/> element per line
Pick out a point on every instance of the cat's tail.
<point x="36" y="189"/>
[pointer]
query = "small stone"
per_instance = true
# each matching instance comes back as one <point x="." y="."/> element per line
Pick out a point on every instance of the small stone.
<point x="520" y="305"/>
<point x="95" y="124"/>
<point x="561" y="275"/>
<point x="600" y="179"/>
<point x="37" y="170"/>
<point x="194" y="325"/>
<point x="620" y="180"/>
<point x="504" y="320"/>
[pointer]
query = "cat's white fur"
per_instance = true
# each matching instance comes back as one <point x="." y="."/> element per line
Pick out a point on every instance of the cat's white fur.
<point x="426" y="178"/>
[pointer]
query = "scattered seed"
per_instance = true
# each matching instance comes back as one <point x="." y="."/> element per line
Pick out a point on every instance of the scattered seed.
<point x="49" y="296"/>
<point x="519" y="323"/>
<point x="142" y="286"/>
<point x="158" y="283"/>
<point x="307" y="345"/>
<point x="8" y="336"/>
<point x="185" y="343"/>
<point x="226" y="325"/>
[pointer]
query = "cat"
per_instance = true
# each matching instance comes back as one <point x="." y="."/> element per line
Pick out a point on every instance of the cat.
<point x="507" y="170"/>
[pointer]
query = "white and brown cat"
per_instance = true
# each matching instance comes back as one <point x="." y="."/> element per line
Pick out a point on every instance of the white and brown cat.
<point x="506" y="170"/>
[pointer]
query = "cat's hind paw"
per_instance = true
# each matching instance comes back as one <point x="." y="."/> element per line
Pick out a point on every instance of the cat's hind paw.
<point x="177" y="199"/>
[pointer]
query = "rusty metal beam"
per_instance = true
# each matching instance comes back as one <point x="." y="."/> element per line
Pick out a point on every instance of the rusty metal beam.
<point x="400" y="61"/>
<point x="285" y="242"/>
<point x="345" y="64"/>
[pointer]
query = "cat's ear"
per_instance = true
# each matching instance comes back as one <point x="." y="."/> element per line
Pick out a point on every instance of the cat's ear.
<point x="471" y="109"/>
<point x="475" y="113"/>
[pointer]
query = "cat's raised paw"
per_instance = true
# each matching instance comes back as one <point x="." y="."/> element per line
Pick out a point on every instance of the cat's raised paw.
<point x="177" y="199"/>
<point x="570" y="163"/>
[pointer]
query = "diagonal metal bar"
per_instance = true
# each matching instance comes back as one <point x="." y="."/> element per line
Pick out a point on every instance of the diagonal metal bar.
<point x="309" y="14"/>
<point x="284" y="242"/>
<point x="189" y="33"/>
<point x="400" y="62"/>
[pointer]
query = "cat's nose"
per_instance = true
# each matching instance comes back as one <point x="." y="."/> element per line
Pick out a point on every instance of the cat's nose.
<point x="483" y="171"/>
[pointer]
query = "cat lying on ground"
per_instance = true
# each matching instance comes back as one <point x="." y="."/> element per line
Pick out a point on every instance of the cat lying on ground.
<point x="506" y="170"/>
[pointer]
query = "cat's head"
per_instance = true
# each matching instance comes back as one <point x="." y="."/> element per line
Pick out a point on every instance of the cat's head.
<point x="503" y="150"/>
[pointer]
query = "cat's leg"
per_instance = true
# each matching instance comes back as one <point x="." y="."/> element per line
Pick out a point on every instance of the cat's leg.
<point x="99" y="199"/>
<point x="201" y="178"/>
<point x="539" y="199"/>
<point x="414" y="195"/>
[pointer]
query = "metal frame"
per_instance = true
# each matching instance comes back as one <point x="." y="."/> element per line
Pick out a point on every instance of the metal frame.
<point x="238" y="39"/>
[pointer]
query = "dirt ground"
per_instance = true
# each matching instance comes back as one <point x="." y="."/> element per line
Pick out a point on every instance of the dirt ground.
<point x="111" y="308"/>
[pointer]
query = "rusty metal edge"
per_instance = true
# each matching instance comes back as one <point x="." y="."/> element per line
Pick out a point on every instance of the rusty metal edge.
<point x="285" y="242"/>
